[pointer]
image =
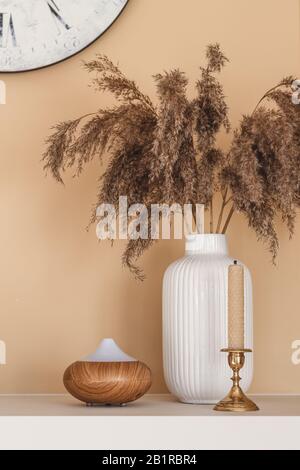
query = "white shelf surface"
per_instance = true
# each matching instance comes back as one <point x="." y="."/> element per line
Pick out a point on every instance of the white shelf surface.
<point x="149" y="405"/>
<point x="59" y="422"/>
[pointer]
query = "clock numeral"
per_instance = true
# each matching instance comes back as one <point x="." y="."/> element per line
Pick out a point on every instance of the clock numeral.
<point x="7" y="29"/>
<point x="55" y="11"/>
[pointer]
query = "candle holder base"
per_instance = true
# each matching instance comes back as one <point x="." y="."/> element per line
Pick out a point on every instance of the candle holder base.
<point x="236" y="400"/>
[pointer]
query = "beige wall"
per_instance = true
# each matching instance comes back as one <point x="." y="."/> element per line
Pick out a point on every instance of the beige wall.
<point x="61" y="291"/>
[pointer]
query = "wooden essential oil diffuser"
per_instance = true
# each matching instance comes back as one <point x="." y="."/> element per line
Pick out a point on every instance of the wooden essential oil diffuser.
<point x="107" y="377"/>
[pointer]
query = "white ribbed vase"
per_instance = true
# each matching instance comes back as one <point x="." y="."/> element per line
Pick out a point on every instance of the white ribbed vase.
<point x="195" y="322"/>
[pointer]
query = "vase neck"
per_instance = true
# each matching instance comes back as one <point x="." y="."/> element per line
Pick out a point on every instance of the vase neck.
<point x="206" y="244"/>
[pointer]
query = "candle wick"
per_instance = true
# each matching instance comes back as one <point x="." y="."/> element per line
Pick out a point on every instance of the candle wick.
<point x="235" y="261"/>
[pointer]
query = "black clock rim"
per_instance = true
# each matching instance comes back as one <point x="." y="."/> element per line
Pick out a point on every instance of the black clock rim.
<point x="35" y="69"/>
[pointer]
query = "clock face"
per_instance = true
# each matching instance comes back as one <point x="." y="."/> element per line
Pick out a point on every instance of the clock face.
<point x="37" y="33"/>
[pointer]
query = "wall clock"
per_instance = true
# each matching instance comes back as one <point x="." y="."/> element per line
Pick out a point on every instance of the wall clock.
<point x="38" y="33"/>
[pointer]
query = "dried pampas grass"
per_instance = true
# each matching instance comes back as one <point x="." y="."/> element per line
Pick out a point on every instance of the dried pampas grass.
<point x="166" y="152"/>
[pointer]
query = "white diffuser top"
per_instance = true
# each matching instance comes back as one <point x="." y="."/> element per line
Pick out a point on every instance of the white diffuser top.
<point x="108" y="351"/>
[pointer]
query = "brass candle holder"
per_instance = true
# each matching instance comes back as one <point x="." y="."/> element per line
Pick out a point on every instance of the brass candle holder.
<point x="236" y="400"/>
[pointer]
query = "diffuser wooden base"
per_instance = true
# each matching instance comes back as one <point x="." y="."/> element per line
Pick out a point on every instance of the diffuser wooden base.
<point x="111" y="383"/>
